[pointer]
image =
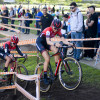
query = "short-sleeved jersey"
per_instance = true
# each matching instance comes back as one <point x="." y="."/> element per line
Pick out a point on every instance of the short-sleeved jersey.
<point x="9" y="46"/>
<point x="49" y="33"/>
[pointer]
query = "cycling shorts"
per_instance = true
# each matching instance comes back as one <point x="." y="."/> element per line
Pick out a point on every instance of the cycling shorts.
<point x="2" y="54"/>
<point x="41" y="44"/>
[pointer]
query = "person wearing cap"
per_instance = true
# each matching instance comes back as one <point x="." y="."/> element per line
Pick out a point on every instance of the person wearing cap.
<point x="5" y="51"/>
<point x="76" y="25"/>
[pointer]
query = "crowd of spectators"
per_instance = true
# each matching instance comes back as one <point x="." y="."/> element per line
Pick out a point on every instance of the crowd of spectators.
<point x="73" y="24"/>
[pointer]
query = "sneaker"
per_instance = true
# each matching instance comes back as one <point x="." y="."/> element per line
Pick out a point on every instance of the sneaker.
<point x="46" y="81"/>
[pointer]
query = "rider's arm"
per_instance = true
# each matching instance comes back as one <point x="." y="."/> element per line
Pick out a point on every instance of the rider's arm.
<point x="65" y="41"/>
<point x="7" y="50"/>
<point x="19" y="51"/>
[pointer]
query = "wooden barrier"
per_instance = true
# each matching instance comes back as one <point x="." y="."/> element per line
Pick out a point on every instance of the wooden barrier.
<point x="18" y="18"/>
<point x="19" y="88"/>
<point x="22" y="27"/>
<point x="17" y="31"/>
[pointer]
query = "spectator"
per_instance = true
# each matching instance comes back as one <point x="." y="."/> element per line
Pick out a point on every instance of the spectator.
<point x="33" y="11"/>
<point x="12" y="15"/>
<point x="62" y="11"/>
<point x="5" y="20"/>
<point x="15" y="9"/>
<point x="46" y="19"/>
<point x="27" y="22"/>
<point x="23" y="21"/>
<point x="91" y="22"/>
<point x="53" y="8"/>
<point x="49" y="9"/>
<point x="38" y="16"/>
<point x="52" y="14"/>
<point x="76" y="24"/>
<point x="57" y="14"/>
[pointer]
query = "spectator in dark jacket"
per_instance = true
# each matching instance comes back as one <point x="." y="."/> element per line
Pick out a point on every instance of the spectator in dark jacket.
<point x="91" y="22"/>
<point x="46" y="19"/>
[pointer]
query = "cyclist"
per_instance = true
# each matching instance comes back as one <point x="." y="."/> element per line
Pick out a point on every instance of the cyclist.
<point x="44" y="44"/>
<point x="5" y="51"/>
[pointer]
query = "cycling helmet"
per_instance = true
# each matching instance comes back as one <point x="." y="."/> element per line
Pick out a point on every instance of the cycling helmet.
<point x="56" y="23"/>
<point x="14" y="39"/>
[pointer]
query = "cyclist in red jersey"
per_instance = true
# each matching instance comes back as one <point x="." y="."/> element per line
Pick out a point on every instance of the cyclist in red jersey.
<point x="5" y="51"/>
<point x="44" y="44"/>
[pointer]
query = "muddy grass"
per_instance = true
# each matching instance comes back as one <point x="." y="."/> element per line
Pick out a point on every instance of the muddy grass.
<point x="57" y="92"/>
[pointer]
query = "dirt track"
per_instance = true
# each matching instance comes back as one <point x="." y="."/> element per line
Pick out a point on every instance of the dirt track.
<point x="57" y="92"/>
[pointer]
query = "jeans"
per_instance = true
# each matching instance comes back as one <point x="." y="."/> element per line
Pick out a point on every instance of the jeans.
<point x="27" y="24"/>
<point x="78" y="35"/>
<point x="12" y="22"/>
<point x="37" y="26"/>
<point x="23" y="30"/>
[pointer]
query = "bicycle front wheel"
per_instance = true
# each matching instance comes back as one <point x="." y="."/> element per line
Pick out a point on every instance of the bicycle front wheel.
<point x="21" y="69"/>
<point x="39" y="70"/>
<point x="70" y="73"/>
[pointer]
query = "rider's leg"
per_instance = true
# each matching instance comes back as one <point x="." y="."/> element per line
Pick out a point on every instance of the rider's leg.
<point x="8" y="59"/>
<point x="55" y="50"/>
<point x="46" y="63"/>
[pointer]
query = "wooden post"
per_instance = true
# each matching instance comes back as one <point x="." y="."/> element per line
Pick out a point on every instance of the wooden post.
<point x="38" y="89"/>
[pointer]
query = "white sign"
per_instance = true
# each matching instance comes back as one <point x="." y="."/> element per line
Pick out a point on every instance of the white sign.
<point x="9" y="0"/>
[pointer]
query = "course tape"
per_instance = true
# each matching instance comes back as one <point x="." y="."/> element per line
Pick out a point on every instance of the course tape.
<point x="2" y="73"/>
<point x="8" y="87"/>
<point x="18" y="18"/>
<point x="31" y="41"/>
<point x="24" y="52"/>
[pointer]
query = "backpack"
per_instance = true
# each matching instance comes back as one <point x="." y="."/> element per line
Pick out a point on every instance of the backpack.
<point x="83" y="31"/>
<point x="30" y="16"/>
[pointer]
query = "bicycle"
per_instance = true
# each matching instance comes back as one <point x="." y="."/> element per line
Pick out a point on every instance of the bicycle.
<point x="69" y="70"/>
<point x="6" y="80"/>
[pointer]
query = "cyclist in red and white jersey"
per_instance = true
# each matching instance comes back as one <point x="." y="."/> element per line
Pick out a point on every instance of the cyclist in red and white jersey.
<point x="44" y="44"/>
<point x="5" y="51"/>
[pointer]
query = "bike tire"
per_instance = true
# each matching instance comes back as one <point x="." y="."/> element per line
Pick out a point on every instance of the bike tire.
<point x="39" y="69"/>
<point x="71" y="78"/>
<point x="21" y="69"/>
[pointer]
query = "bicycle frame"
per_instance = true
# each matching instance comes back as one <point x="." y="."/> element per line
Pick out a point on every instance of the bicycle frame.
<point x="59" y="62"/>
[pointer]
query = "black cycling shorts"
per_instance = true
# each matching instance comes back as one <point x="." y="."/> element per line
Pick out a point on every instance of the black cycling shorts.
<point x="2" y="54"/>
<point x="41" y="44"/>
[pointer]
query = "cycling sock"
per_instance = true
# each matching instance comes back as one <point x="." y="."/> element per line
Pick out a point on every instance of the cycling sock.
<point x="56" y="64"/>
<point x="6" y="69"/>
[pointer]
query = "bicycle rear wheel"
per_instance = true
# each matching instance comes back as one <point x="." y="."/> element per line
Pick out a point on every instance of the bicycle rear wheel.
<point x="70" y="73"/>
<point x="21" y="69"/>
<point x="39" y="70"/>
